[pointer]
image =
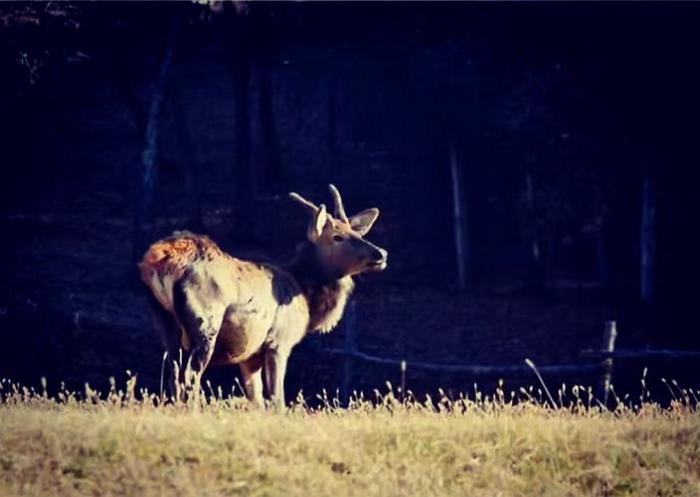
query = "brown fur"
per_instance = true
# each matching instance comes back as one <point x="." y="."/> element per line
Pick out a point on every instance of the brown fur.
<point x="232" y="311"/>
<point x="325" y="295"/>
<point x="174" y="254"/>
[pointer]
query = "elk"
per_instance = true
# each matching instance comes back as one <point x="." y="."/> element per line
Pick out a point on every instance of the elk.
<point x="222" y="310"/>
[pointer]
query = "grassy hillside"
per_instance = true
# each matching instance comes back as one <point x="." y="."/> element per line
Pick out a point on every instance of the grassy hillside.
<point x="485" y="448"/>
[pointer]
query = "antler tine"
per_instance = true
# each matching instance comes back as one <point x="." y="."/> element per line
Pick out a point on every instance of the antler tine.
<point x="306" y="203"/>
<point x="339" y="209"/>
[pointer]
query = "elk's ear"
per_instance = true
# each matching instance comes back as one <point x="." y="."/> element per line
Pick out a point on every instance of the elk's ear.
<point x="362" y="222"/>
<point x="318" y="221"/>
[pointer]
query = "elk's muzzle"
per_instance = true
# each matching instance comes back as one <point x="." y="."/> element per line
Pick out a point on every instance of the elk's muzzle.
<point x="378" y="261"/>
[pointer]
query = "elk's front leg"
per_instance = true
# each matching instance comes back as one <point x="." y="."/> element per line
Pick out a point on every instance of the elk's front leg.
<point x="251" y="370"/>
<point x="275" y="369"/>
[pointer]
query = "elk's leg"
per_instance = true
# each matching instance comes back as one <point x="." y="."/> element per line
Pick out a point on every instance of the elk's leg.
<point x="198" y="361"/>
<point x="275" y="369"/>
<point x="169" y="333"/>
<point x="202" y="320"/>
<point x="251" y="370"/>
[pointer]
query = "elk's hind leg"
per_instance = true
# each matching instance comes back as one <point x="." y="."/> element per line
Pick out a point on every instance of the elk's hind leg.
<point x="201" y="318"/>
<point x="251" y="369"/>
<point x="169" y="333"/>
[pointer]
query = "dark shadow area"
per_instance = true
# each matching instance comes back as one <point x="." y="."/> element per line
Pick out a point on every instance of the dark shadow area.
<point x="533" y="164"/>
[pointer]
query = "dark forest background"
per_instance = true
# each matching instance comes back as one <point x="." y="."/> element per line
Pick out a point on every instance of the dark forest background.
<point x="567" y="133"/>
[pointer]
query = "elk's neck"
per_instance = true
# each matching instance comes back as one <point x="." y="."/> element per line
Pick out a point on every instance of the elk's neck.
<point x="326" y="293"/>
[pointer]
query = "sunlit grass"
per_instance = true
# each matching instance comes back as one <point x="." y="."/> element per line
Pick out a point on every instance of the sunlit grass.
<point x="126" y="442"/>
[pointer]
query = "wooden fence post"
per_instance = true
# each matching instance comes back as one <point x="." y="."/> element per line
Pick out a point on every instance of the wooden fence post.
<point x="609" y="337"/>
<point x="349" y="351"/>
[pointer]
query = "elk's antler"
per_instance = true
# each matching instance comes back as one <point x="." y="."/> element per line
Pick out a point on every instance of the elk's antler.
<point x="313" y="208"/>
<point x="338" y="201"/>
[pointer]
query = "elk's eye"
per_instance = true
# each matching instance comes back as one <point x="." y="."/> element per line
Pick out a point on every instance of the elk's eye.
<point x="338" y="238"/>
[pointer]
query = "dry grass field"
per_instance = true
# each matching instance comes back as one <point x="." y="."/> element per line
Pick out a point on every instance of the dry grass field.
<point x="117" y="445"/>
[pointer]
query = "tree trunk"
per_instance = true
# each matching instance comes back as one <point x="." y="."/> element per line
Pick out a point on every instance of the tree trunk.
<point x="536" y="273"/>
<point x="138" y="113"/>
<point x="350" y="348"/>
<point x="149" y="157"/>
<point x="647" y="240"/>
<point x="332" y="118"/>
<point x="460" y="223"/>
<point x="189" y="160"/>
<point x="243" y="175"/>
<point x="602" y="262"/>
<point x="275" y="176"/>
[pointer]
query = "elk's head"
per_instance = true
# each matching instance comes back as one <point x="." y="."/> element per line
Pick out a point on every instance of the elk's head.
<point x="338" y="240"/>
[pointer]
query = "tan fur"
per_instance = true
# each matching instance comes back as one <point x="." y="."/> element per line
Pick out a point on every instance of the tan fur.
<point x="233" y="311"/>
